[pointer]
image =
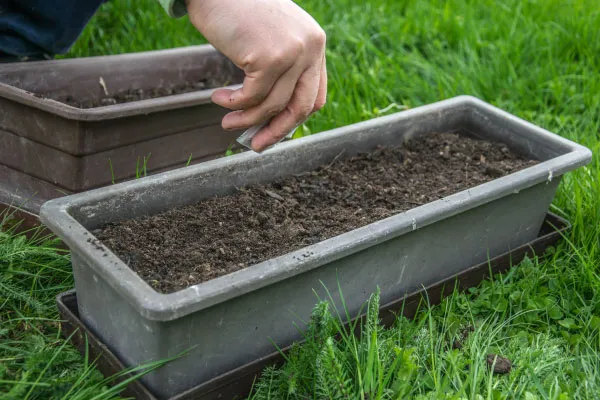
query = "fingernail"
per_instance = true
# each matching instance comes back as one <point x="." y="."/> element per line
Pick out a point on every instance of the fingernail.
<point x="256" y="148"/>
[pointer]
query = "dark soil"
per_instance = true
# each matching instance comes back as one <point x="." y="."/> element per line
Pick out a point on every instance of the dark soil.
<point x="501" y="365"/>
<point x="188" y="245"/>
<point x="130" y="95"/>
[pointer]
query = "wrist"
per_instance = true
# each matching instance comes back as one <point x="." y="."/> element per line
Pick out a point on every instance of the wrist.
<point x="201" y="11"/>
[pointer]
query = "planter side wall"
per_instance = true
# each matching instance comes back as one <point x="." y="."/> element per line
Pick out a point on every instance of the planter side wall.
<point x="79" y="138"/>
<point x="25" y="191"/>
<point x="79" y="173"/>
<point x="513" y="135"/>
<point x="233" y="333"/>
<point x="41" y="126"/>
<point x="110" y="134"/>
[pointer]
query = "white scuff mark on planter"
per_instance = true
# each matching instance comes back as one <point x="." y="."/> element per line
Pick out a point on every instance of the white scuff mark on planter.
<point x="103" y="84"/>
<point x="530" y="147"/>
<point x="550" y="175"/>
<point x="220" y="324"/>
<point x="404" y="258"/>
<point x="95" y="278"/>
<point x="38" y="123"/>
<point x="414" y="224"/>
<point x="147" y="327"/>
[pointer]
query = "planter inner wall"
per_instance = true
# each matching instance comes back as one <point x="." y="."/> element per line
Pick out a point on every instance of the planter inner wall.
<point x="231" y="319"/>
<point x="80" y="78"/>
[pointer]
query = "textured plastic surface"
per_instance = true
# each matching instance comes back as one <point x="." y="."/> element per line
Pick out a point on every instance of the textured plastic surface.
<point x="49" y="149"/>
<point x="236" y="384"/>
<point x="231" y="320"/>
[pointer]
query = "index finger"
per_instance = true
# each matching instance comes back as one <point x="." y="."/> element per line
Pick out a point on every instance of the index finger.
<point x="255" y="89"/>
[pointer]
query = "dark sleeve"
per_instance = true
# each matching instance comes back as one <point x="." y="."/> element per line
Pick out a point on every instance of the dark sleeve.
<point x="36" y="28"/>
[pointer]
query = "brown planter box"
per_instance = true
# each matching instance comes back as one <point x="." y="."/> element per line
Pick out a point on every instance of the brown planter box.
<point x="48" y="148"/>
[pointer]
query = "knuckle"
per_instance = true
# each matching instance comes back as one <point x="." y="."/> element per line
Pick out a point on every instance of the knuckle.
<point x="250" y="60"/>
<point x="279" y="57"/>
<point x="271" y="110"/>
<point x="319" y="37"/>
<point x="301" y="111"/>
<point x="296" y="46"/>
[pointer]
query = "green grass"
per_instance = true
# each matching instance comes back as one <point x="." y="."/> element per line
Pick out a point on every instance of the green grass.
<point x="537" y="59"/>
<point x="35" y="362"/>
<point x="552" y="344"/>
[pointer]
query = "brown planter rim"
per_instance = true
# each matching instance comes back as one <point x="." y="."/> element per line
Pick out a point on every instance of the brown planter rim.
<point x="140" y="107"/>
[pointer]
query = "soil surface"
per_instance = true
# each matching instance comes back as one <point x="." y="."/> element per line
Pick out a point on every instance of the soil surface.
<point x="130" y="95"/>
<point x="188" y="245"/>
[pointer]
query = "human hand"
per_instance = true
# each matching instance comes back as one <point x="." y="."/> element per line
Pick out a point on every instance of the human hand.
<point x="281" y="49"/>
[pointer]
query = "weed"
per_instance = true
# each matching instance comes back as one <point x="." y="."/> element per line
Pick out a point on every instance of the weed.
<point x="141" y="166"/>
<point x="112" y="171"/>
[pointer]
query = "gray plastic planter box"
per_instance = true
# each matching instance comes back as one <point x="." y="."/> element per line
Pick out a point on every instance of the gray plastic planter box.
<point x="48" y="148"/>
<point x="230" y="320"/>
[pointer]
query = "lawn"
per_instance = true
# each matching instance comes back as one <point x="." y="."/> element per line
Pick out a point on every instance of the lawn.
<point x="537" y="59"/>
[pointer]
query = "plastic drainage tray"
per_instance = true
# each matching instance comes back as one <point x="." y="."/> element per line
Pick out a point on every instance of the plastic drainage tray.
<point x="236" y="384"/>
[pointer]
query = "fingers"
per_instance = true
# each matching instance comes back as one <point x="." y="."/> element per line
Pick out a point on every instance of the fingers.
<point x="261" y="74"/>
<point x="255" y="89"/>
<point x="322" y="94"/>
<point x="301" y="105"/>
<point x="280" y="95"/>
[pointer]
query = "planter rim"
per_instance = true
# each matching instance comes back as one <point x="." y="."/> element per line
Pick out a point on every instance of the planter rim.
<point x="164" y="307"/>
<point x="139" y="107"/>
